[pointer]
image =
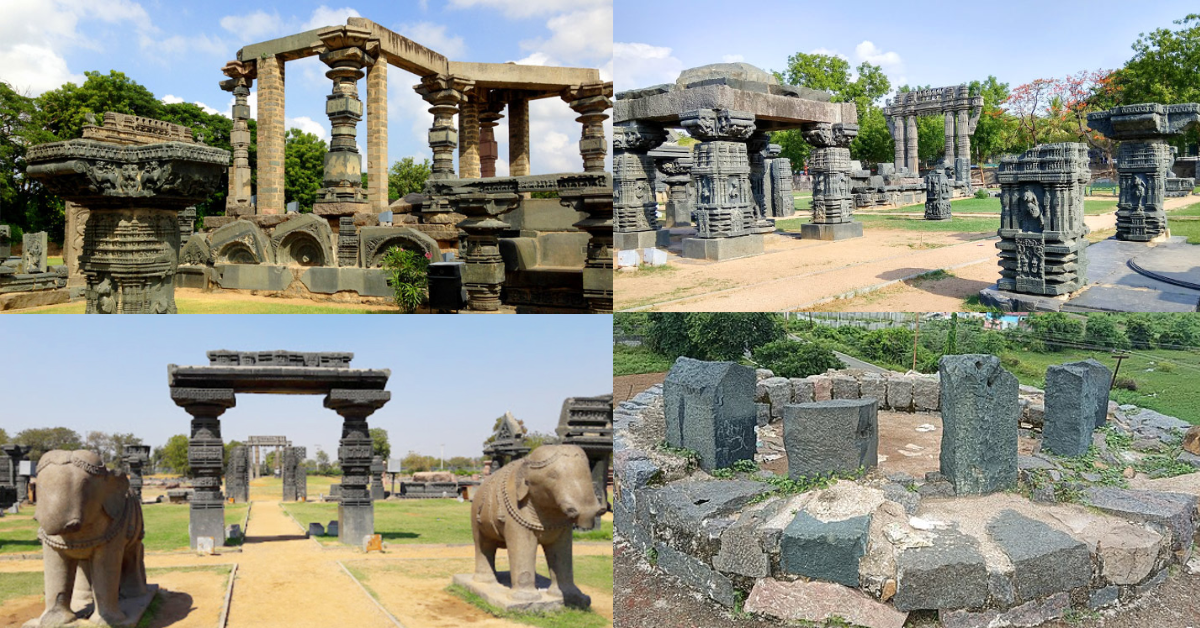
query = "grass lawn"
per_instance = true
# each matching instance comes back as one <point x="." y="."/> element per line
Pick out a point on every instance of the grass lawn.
<point x="25" y="583"/>
<point x="802" y="201"/>
<point x="188" y="305"/>
<point x="1166" y="379"/>
<point x="992" y="206"/>
<point x="637" y="360"/>
<point x="1190" y="210"/>
<point x="166" y="528"/>
<point x="1188" y="228"/>
<point x="270" y="488"/>
<point x="973" y="224"/>
<point x="424" y="521"/>
<point x="54" y="261"/>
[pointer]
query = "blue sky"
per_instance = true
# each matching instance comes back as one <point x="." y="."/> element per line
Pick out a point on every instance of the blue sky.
<point x="177" y="49"/>
<point x="919" y="42"/>
<point x="451" y="375"/>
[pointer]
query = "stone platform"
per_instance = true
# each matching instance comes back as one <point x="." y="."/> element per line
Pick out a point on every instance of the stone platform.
<point x="1116" y="285"/>
<point x="721" y="249"/>
<point x="133" y="608"/>
<point x="500" y="594"/>
<point x="635" y="240"/>
<point x="832" y="231"/>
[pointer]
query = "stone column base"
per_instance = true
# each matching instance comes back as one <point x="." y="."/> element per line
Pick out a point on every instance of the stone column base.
<point x="355" y="522"/>
<point x="500" y="595"/>
<point x="207" y="522"/>
<point x="635" y="240"/>
<point x="721" y="249"/>
<point x="831" y="231"/>
<point x="132" y="607"/>
<point x="1008" y="301"/>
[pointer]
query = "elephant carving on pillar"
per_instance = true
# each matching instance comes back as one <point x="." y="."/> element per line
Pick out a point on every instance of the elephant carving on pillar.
<point x="534" y="501"/>
<point x="91" y="528"/>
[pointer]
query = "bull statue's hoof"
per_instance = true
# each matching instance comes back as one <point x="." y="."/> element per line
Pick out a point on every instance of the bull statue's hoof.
<point x="575" y="598"/>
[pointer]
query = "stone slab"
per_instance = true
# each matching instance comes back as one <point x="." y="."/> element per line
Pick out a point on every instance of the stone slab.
<point x="836" y="436"/>
<point x="802" y="390"/>
<point x="366" y="282"/>
<point x="980" y="413"/>
<point x="721" y="249"/>
<point x="1045" y="560"/>
<point x="206" y="522"/>
<point x="831" y="231"/>
<point x="695" y="574"/>
<point x="819" y="602"/>
<point x="951" y="574"/>
<point x="742" y="549"/>
<point x="500" y="594"/>
<point x="266" y="277"/>
<point x="776" y="392"/>
<point x="900" y="392"/>
<point x="1071" y="407"/>
<point x="824" y="550"/>
<point x="1027" y="615"/>
<point x="1173" y="511"/>
<point x="38" y="298"/>
<point x="709" y="408"/>
<point x="634" y="240"/>
<point x="681" y="507"/>
<point x="927" y="393"/>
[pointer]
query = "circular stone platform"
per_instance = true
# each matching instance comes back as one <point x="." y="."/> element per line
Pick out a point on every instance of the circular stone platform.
<point x="1176" y="263"/>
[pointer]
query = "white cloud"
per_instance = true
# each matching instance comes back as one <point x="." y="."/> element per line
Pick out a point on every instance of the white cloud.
<point x="253" y="26"/>
<point x="308" y="125"/>
<point x="434" y="36"/>
<point x="209" y="110"/>
<point x="34" y="70"/>
<point x="171" y="100"/>
<point x="325" y="16"/>
<point x="733" y="58"/>
<point x="829" y="53"/>
<point x="577" y="36"/>
<point x="531" y="8"/>
<point x="179" y="45"/>
<point x="537" y="58"/>
<point x="869" y="52"/>
<point x="643" y="65"/>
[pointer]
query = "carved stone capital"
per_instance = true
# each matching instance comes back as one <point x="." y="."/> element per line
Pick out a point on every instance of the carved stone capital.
<point x="638" y="136"/>
<point x="718" y="124"/>
<point x="826" y="135"/>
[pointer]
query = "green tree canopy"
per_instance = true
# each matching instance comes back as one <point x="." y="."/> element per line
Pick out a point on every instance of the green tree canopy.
<point x="1164" y="66"/>
<point x="407" y="176"/>
<point x="304" y="158"/>
<point x="175" y="455"/>
<point x="43" y="439"/>
<point x="712" y="336"/>
<point x="379" y="443"/>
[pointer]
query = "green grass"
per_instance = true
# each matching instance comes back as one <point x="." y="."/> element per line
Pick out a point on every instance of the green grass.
<point x="20" y="584"/>
<point x="958" y="224"/>
<point x="603" y="534"/>
<point x="636" y="360"/>
<point x="1173" y="393"/>
<point x="54" y="261"/>
<point x="992" y="206"/>
<point x="425" y="521"/>
<point x="1187" y="228"/>
<point x="223" y="306"/>
<point x="802" y="202"/>
<point x="1190" y="210"/>
<point x="166" y="528"/>
<point x="566" y="618"/>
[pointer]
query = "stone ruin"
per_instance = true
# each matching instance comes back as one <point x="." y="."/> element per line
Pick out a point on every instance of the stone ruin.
<point x="992" y="537"/>
<point x="587" y="423"/>
<point x="1144" y="162"/>
<point x="237" y="475"/>
<point x="891" y="186"/>
<point x="135" y="459"/>
<point x="938" y="192"/>
<point x="378" y="491"/>
<point x="128" y="237"/>
<point x="14" y="486"/>
<point x="206" y="392"/>
<point x="255" y="448"/>
<point x="295" y="479"/>
<point x="674" y="166"/>
<point x="506" y="248"/>
<point x="961" y="111"/>
<point x="731" y="108"/>
<point x="508" y="442"/>
<point x="27" y="281"/>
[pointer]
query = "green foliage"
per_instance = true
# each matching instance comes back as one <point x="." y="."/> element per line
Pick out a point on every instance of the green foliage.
<point x="1056" y="330"/>
<point x="304" y="163"/>
<point x="4" y="436"/>
<point x="407" y="176"/>
<point x="996" y="128"/>
<point x="408" y="276"/>
<point x="1164" y="66"/>
<point x="711" y="336"/>
<point x="636" y="360"/>
<point x="692" y="457"/>
<point x="789" y="358"/>
<point x="379" y="443"/>
<point x="109" y="446"/>
<point x="1102" y="330"/>
<point x="175" y="455"/>
<point x="43" y="439"/>
<point x="981" y="194"/>
<point x="783" y="485"/>
<point x="213" y="129"/>
<point x="64" y="109"/>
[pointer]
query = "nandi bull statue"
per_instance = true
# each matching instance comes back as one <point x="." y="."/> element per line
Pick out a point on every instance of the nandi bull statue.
<point x="91" y="531"/>
<point x="534" y="501"/>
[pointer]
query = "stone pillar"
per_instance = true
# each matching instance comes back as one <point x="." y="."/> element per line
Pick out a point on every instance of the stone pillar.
<point x="828" y="437"/>
<point x="292" y="459"/>
<point x="205" y="456"/>
<point x="237" y="475"/>
<point x="980" y="413"/>
<point x="346" y="54"/>
<point x="377" y="135"/>
<point x="829" y="165"/>
<point x="135" y="457"/>
<point x="483" y="275"/>
<point x="725" y="198"/>
<point x="347" y="242"/>
<point x="301" y="454"/>
<point x="912" y="155"/>
<point x="590" y="102"/>
<point x="898" y="136"/>
<point x="949" y="137"/>
<point x="489" y="148"/>
<point x="356" y="515"/>
<point x="241" y="77"/>
<point x="444" y="92"/>
<point x="635" y="207"/>
<point x="518" y="136"/>
<point x="272" y="129"/>
<point x="756" y="149"/>
<point x="377" y="469"/>
<point x="468" y="134"/>
<point x="964" y="137"/>
<point x="781" y="182"/>
<point x="674" y="164"/>
<point x="1072" y="396"/>
<point x="597" y="202"/>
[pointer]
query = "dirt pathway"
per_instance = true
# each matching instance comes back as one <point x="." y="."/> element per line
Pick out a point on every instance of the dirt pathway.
<point x="283" y="580"/>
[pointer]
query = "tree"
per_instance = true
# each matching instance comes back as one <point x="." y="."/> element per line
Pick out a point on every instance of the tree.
<point x="1141" y="330"/>
<point x="414" y="462"/>
<point x="537" y="439"/>
<point x="379" y="443"/>
<point x="323" y="466"/>
<point x="214" y="130"/>
<point x="229" y="446"/>
<point x="407" y="176"/>
<point x="304" y="159"/>
<point x="789" y="358"/>
<point x="64" y="110"/>
<point x="27" y="206"/>
<point x="1056" y="330"/>
<point x="712" y="336"/>
<point x="995" y="129"/>
<point x="43" y="439"/>
<point x="1102" y="330"/>
<point x="3" y="437"/>
<point x="175" y="455"/>
<point x="1183" y="330"/>
<point x="1164" y="66"/>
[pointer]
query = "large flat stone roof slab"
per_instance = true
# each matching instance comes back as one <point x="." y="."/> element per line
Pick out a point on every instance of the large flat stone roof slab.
<point x="772" y="112"/>
<point x="277" y="372"/>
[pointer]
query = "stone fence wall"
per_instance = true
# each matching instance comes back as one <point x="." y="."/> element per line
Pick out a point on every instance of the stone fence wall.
<point x="905" y="392"/>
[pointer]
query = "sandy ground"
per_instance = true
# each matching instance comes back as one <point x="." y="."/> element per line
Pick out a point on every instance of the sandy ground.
<point x="201" y="297"/>
<point x="626" y="387"/>
<point x="797" y="274"/>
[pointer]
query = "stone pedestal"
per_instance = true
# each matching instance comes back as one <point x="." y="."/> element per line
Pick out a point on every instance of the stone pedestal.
<point x="634" y="240"/>
<point x="837" y="436"/>
<point x="710" y="409"/>
<point x="831" y="231"/>
<point x="356" y="515"/>
<point x="500" y="593"/>
<point x="635" y="209"/>
<point x="1071" y="402"/>
<point x="980" y="413"/>
<point x="483" y="275"/>
<point x="938" y="193"/>
<point x="131" y="239"/>
<point x="720" y="249"/>
<point x="597" y="203"/>
<point x="829" y="165"/>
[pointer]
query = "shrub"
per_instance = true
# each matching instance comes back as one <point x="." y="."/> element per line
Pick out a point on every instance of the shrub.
<point x="788" y="358"/>
<point x="709" y="336"/>
<point x="408" y="275"/>
<point x="1102" y="330"/>
<point x="1055" y="331"/>
<point x="981" y="193"/>
<point x="1126" y="383"/>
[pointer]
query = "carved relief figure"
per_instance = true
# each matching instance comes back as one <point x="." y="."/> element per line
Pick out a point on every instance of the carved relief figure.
<point x="1032" y="207"/>
<point x="1139" y="193"/>
<point x="535" y="501"/>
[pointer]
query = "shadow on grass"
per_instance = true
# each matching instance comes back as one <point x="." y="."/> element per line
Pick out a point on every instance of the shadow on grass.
<point x="20" y="546"/>
<point x="388" y="536"/>
<point x="279" y="537"/>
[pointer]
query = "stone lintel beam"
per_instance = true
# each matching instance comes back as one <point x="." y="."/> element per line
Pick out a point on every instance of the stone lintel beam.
<point x="209" y="402"/>
<point x="771" y="112"/>
<point x="524" y="77"/>
<point x="356" y="404"/>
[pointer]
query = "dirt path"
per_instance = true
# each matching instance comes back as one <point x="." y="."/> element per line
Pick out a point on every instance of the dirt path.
<point x="283" y="580"/>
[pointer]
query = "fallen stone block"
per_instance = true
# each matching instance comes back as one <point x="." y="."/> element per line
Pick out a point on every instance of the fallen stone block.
<point x="824" y="550"/>
<point x="1174" y="511"/>
<point x="837" y="436"/>
<point x="819" y="602"/>
<point x="1027" y="615"/>
<point x="949" y="575"/>
<point x="1045" y="560"/>
<point x="695" y="574"/>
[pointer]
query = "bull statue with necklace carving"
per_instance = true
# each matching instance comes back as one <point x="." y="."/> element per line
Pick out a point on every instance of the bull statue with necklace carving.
<point x="91" y="530"/>
<point x="534" y="501"/>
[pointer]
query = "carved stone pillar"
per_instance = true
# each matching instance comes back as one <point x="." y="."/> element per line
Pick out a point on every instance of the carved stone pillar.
<point x="597" y="202"/>
<point x="518" y="136"/>
<point x="756" y="149"/>
<point x="964" y="137"/>
<point x="135" y="457"/>
<point x="272" y="128"/>
<point x="489" y="148"/>
<point x="949" y="137"/>
<point x="897" y="126"/>
<point x="633" y="193"/>
<point x="241" y="77"/>
<point x="725" y="210"/>
<point x="590" y="102"/>
<point x="377" y="135"/>
<point x="674" y="163"/>
<point x="206" y="454"/>
<point x="444" y="92"/>
<point x="912" y="154"/>
<point x="356" y="515"/>
<point x="483" y="275"/>
<point x="829" y="165"/>
<point x="781" y="182"/>
<point x="468" y="133"/>
<point x="346" y="54"/>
